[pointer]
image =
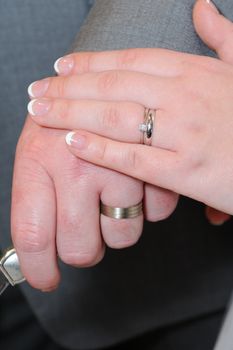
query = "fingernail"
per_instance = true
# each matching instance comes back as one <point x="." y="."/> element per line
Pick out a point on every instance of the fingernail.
<point x="64" y="65"/>
<point x="38" y="88"/>
<point x="39" y="107"/>
<point x="209" y="2"/>
<point x="76" y="140"/>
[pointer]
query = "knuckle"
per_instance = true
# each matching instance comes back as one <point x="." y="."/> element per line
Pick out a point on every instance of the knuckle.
<point x="85" y="62"/>
<point x="103" y="152"/>
<point x="128" y="58"/>
<point x="107" y="81"/>
<point x="60" y="87"/>
<point x="32" y="171"/>
<point x="76" y="169"/>
<point x="28" y="145"/>
<point x="187" y="65"/>
<point x="110" y="117"/>
<point x="130" y="158"/>
<point x="76" y="250"/>
<point x="62" y="109"/>
<point x="30" y="238"/>
<point x="193" y="163"/>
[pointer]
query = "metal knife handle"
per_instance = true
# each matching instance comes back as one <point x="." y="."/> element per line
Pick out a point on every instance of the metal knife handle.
<point x="9" y="266"/>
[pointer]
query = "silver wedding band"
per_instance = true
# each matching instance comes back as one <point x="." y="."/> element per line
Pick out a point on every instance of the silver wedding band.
<point x="121" y="213"/>
<point x="147" y="126"/>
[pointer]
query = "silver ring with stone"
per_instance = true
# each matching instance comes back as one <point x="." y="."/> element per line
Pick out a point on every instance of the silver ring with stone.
<point x="147" y="126"/>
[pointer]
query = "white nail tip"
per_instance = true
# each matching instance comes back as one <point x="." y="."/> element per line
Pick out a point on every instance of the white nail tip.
<point x="69" y="137"/>
<point x="30" y="93"/>
<point x="56" y="65"/>
<point x="30" y="107"/>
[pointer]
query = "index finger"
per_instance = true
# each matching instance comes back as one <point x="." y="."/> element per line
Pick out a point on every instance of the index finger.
<point x="147" y="60"/>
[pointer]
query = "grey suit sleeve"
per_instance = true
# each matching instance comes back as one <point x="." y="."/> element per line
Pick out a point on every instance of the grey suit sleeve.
<point x="121" y="24"/>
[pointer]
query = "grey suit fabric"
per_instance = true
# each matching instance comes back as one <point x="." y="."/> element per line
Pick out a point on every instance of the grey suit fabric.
<point x="181" y="268"/>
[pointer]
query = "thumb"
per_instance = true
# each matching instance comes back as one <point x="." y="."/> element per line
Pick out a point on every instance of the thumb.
<point x="214" y="29"/>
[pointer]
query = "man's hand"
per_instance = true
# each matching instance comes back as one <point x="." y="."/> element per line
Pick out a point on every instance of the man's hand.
<point x="55" y="207"/>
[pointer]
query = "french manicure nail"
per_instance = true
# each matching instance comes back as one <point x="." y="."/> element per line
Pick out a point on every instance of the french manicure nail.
<point x="76" y="140"/>
<point x="38" y="88"/>
<point x="39" y="107"/>
<point x="64" y="65"/>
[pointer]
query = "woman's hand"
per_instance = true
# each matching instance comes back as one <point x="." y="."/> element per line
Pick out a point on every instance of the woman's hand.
<point x="192" y="136"/>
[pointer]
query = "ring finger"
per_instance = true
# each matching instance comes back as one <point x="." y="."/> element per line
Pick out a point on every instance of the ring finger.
<point x="116" y="120"/>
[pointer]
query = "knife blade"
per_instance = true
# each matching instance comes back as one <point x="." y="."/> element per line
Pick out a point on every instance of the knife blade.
<point x="10" y="273"/>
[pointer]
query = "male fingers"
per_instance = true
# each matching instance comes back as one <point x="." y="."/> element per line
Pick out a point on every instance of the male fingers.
<point x="79" y="241"/>
<point x="121" y="191"/>
<point x="79" y="187"/>
<point x="33" y="223"/>
<point x="159" y="203"/>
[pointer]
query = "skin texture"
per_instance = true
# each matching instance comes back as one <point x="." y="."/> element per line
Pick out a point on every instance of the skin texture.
<point x="53" y="190"/>
<point x="181" y="87"/>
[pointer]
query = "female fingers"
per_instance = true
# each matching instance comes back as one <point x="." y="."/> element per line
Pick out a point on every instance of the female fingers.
<point x="161" y="62"/>
<point x="149" y="164"/>
<point x="148" y="90"/>
<point x="116" y="120"/>
<point x="214" y="29"/>
<point x="153" y="61"/>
